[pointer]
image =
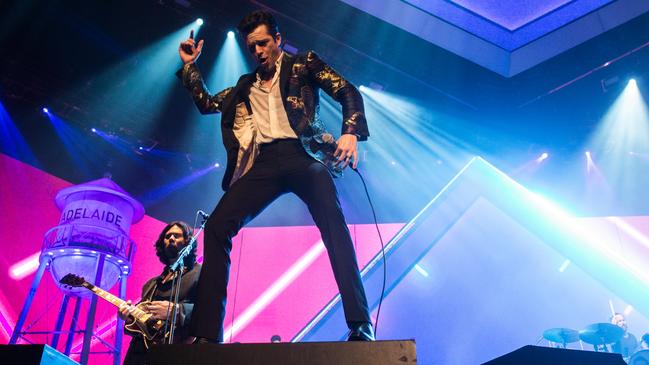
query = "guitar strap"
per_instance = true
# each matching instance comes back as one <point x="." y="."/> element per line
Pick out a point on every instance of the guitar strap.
<point x="162" y="279"/>
<point x="148" y="294"/>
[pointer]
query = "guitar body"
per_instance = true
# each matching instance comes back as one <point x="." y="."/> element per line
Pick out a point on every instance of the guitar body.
<point x="140" y="322"/>
<point x="149" y="328"/>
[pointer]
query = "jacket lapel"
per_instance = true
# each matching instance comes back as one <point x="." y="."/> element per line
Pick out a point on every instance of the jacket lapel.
<point x="284" y="72"/>
<point x="242" y="90"/>
<point x="243" y="86"/>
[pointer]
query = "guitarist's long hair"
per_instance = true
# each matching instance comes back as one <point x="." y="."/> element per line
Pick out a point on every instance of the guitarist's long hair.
<point x="160" y="244"/>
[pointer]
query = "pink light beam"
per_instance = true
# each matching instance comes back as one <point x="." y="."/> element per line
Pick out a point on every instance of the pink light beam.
<point x="274" y="290"/>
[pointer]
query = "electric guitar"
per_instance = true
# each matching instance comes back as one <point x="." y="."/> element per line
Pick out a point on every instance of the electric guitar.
<point x="141" y="322"/>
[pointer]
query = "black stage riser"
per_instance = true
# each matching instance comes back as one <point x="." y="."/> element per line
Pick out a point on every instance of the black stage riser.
<point x="33" y="355"/>
<point x="535" y="355"/>
<point x="311" y="353"/>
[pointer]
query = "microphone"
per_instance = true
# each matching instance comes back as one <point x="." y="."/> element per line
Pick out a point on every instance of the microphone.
<point x="186" y="47"/>
<point x="327" y="141"/>
<point x="329" y="145"/>
<point x="203" y="215"/>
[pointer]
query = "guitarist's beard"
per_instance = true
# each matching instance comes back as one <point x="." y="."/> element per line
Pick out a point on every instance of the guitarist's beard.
<point x="171" y="251"/>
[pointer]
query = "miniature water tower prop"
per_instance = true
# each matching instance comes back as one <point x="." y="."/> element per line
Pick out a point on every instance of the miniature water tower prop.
<point x="91" y="241"/>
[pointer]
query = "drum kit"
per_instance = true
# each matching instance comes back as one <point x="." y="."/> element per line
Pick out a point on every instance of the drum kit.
<point x="600" y="335"/>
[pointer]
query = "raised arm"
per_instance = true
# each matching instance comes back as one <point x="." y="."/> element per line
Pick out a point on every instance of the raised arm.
<point x="192" y="80"/>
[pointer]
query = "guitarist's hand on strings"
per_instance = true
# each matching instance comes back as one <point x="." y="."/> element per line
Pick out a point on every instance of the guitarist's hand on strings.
<point x="158" y="308"/>
<point x="125" y="310"/>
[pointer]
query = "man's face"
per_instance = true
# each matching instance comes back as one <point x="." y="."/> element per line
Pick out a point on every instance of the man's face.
<point x="174" y="241"/>
<point x="619" y="321"/>
<point x="264" y="47"/>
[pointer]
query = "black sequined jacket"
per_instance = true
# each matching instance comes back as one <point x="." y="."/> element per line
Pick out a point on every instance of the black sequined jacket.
<point x="301" y="78"/>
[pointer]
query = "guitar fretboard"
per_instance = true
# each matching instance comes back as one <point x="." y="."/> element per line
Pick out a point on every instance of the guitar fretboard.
<point x="111" y="298"/>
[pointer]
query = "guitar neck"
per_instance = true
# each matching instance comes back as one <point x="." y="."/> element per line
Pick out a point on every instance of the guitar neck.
<point x="110" y="298"/>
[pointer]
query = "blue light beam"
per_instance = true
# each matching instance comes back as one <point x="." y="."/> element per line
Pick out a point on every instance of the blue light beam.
<point x="12" y="142"/>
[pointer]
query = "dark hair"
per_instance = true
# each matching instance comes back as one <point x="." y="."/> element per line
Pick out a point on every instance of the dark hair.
<point x="255" y="19"/>
<point x="160" y="244"/>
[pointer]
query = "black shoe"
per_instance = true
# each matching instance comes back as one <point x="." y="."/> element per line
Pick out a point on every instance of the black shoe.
<point x="362" y="331"/>
<point x="203" y="341"/>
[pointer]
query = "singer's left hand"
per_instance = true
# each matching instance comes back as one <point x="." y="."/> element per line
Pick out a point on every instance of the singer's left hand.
<point x="346" y="151"/>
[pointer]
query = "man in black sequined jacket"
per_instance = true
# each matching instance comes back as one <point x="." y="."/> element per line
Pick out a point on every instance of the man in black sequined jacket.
<point x="276" y="144"/>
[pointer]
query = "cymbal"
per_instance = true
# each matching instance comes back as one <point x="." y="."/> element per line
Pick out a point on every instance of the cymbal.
<point x="601" y="333"/>
<point x="561" y="335"/>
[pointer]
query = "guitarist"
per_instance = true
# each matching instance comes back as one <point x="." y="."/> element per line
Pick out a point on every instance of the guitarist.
<point x="156" y="291"/>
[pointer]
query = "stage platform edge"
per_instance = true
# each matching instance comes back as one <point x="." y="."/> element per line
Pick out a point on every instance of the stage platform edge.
<point x="401" y="352"/>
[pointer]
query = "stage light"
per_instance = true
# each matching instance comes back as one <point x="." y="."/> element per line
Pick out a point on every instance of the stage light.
<point x="542" y="157"/>
<point x="361" y="88"/>
<point x="630" y="231"/>
<point x="26" y="266"/>
<point x="160" y="192"/>
<point x="46" y="111"/>
<point x="376" y="86"/>
<point x="93" y="130"/>
<point x="199" y="21"/>
<point x="421" y="270"/>
<point x="564" y="266"/>
<point x="230" y="63"/>
<point x="590" y="164"/>
<point x="141" y="148"/>
<point x="608" y="83"/>
<point x="12" y="141"/>
<point x="623" y="128"/>
<point x="217" y="165"/>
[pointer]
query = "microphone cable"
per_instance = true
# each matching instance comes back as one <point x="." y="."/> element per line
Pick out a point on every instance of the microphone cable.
<point x="385" y="272"/>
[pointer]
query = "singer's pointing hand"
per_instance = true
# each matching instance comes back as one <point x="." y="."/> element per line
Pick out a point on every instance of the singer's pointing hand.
<point x="196" y="49"/>
<point x="346" y="151"/>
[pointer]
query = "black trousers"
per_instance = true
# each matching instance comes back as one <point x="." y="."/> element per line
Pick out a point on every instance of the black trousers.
<point x="281" y="167"/>
<point x="136" y="354"/>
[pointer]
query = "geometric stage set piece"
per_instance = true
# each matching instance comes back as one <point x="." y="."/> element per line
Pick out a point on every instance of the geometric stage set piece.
<point x="535" y="355"/>
<point x="487" y="266"/>
<point x="312" y="353"/>
<point x="91" y="240"/>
